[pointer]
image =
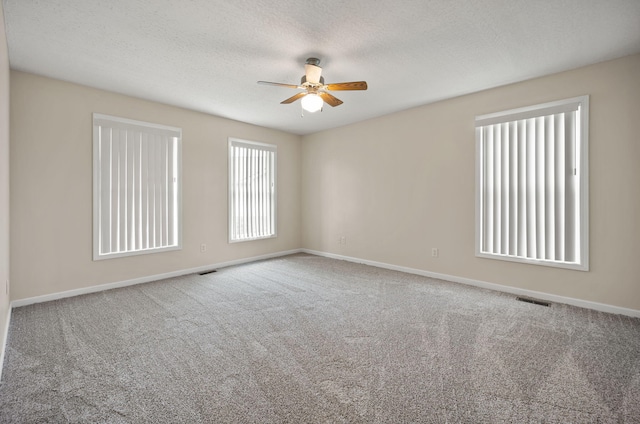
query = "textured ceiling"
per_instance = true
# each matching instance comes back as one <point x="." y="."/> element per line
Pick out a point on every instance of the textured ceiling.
<point x="207" y="55"/>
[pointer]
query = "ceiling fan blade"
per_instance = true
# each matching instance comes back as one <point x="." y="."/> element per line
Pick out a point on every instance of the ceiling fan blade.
<point x="341" y="86"/>
<point x="330" y="100"/>
<point x="312" y="72"/>
<point x="277" y="84"/>
<point x="293" y="98"/>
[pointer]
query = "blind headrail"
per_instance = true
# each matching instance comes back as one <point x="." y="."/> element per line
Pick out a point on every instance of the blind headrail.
<point x="552" y="108"/>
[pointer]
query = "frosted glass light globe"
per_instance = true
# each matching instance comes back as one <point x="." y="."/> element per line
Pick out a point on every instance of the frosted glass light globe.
<point x="312" y="103"/>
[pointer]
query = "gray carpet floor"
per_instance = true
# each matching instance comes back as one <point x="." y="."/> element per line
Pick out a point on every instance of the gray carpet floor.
<point x="305" y="339"/>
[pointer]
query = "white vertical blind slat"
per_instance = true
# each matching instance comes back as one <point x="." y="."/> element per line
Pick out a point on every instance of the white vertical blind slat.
<point x="265" y="188"/>
<point x="114" y="187"/>
<point x="171" y="191"/>
<point x="271" y="172"/>
<point x="497" y="186"/>
<point x="570" y="197"/>
<point x="158" y="191"/>
<point x="540" y="184"/>
<point x="497" y="183"/>
<point x="489" y="172"/>
<point x="246" y="210"/>
<point x="251" y="177"/>
<point x="136" y="191"/>
<point x="130" y="209"/>
<point x="272" y="189"/>
<point x="236" y="192"/>
<point x="242" y="224"/>
<point x="151" y="179"/>
<point x="233" y="186"/>
<point x="242" y="215"/>
<point x="513" y="189"/>
<point x="560" y="187"/>
<point x="144" y="192"/>
<point x="264" y="191"/>
<point x="531" y="192"/>
<point x="104" y="222"/>
<point x="254" y="190"/>
<point x="122" y="192"/>
<point x="522" y="189"/>
<point x="157" y="209"/>
<point x="549" y="187"/>
<point x="504" y="187"/>
<point x="259" y="199"/>
<point x="163" y="142"/>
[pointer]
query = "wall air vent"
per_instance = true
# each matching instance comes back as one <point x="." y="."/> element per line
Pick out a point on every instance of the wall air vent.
<point x="533" y="301"/>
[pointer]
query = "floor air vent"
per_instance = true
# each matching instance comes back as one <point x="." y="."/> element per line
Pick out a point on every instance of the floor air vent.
<point x="533" y="301"/>
<point x="207" y="272"/>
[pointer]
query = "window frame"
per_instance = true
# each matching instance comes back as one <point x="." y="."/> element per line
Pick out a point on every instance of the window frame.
<point x="121" y="123"/>
<point x="232" y="141"/>
<point x="581" y="164"/>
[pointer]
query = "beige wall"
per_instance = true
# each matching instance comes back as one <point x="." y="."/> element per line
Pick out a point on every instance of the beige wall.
<point x="395" y="186"/>
<point x="4" y="180"/>
<point x="401" y="184"/>
<point x="51" y="187"/>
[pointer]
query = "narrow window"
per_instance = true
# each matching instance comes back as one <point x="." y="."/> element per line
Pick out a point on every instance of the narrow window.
<point x="136" y="187"/>
<point x="252" y="190"/>
<point x="532" y="184"/>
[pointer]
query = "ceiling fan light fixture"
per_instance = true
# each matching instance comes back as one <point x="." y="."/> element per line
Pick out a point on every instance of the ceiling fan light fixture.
<point x="312" y="103"/>
<point x="315" y="93"/>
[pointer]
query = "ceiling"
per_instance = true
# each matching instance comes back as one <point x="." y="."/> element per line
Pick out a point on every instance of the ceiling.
<point x="207" y="55"/>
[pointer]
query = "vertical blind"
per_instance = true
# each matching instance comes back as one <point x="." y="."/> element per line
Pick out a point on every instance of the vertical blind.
<point x="252" y="189"/>
<point x="529" y="184"/>
<point x="136" y="196"/>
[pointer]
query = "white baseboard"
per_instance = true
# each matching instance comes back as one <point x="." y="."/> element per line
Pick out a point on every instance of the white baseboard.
<point x="147" y="279"/>
<point x="462" y="280"/>
<point x="486" y="285"/>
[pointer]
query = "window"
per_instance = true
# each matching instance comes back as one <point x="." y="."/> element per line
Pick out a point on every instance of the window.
<point x="136" y="187"/>
<point x="532" y="184"/>
<point x="252" y="190"/>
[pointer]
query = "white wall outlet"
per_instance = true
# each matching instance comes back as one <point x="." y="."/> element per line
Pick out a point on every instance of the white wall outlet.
<point x="203" y="247"/>
<point x="435" y="252"/>
<point x="343" y="240"/>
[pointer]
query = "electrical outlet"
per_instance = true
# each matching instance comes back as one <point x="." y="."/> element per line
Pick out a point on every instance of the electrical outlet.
<point x="343" y="240"/>
<point x="434" y="252"/>
<point x="203" y="247"/>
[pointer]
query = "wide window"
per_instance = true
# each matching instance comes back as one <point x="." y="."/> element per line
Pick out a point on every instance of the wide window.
<point x="532" y="184"/>
<point x="136" y="187"/>
<point x="252" y="190"/>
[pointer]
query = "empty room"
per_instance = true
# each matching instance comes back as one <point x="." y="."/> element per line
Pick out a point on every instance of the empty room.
<point x="319" y="212"/>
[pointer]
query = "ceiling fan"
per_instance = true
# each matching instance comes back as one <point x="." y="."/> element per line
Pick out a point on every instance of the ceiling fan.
<point x="315" y="90"/>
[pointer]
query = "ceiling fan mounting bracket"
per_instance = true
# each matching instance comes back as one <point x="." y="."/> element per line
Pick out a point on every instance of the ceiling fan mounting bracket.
<point x="313" y="61"/>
